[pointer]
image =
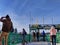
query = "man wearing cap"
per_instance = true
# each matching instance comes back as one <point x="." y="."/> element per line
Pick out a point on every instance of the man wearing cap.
<point x="5" y="28"/>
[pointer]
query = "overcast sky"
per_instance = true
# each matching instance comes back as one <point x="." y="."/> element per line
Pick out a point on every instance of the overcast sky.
<point x="24" y="12"/>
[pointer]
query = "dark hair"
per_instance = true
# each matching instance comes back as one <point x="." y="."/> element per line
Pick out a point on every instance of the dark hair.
<point x="7" y="16"/>
<point x="23" y="29"/>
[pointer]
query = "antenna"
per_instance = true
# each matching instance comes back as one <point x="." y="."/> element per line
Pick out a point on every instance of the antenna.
<point x="30" y="22"/>
<point x="30" y="17"/>
<point x="43" y="20"/>
<point x="52" y="19"/>
<point x="36" y="22"/>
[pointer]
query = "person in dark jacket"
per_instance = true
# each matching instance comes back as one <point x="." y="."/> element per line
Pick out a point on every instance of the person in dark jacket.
<point x="24" y="33"/>
<point x="6" y="28"/>
<point x="37" y="35"/>
<point x="34" y="36"/>
<point x="43" y="34"/>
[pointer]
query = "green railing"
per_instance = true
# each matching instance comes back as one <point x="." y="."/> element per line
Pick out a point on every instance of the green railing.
<point x="16" y="38"/>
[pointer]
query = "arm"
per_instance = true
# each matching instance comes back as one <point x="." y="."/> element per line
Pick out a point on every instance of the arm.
<point x="1" y="19"/>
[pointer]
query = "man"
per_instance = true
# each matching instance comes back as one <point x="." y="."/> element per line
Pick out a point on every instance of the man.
<point x="24" y="33"/>
<point x="38" y="35"/>
<point x="53" y="35"/>
<point x="7" y="25"/>
<point x="34" y="36"/>
<point x="43" y="34"/>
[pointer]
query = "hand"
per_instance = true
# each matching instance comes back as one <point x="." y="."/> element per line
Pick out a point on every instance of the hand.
<point x="2" y="17"/>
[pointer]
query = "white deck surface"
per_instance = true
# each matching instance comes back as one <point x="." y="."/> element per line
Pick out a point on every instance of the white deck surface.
<point x="39" y="43"/>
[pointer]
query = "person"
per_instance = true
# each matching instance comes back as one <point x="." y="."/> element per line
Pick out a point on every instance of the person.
<point x="34" y="36"/>
<point x="7" y="23"/>
<point x="53" y="35"/>
<point x="43" y="34"/>
<point x="37" y="35"/>
<point x="24" y="33"/>
<point x="0" y="39"/>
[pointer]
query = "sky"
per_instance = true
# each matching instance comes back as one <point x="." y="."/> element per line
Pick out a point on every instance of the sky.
<point x="25" y="12"/>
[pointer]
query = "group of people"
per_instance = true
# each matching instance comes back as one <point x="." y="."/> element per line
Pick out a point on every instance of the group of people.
<point x="8" y="26"/>
<point x="36" y="36"/>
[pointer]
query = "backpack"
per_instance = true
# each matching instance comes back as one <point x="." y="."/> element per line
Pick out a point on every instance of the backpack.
<point x="24" y="33"/>
<point x="43" y="33"/>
